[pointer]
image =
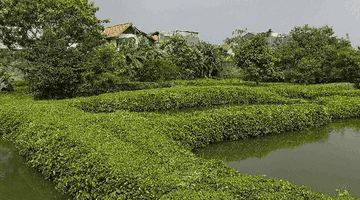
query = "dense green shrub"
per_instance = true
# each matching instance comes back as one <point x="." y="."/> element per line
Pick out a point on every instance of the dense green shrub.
<point x="110" y="70"/>
<point x="157" y="70"/>
<point x="104" y="69"/>
<point x="316" y="55"/>
<point x="307" y="71"/>
<point x="5" y="77"/>
<point x="214" y="58"/>
<point x="179" y="98"/>
<point x="55" y="71"/>
<point x="54" y="65"/>
<point x="189" y="60"/>
<point x="256" y="60"/>
<point x="348" y="62"/>
<point x="141" y="58"/>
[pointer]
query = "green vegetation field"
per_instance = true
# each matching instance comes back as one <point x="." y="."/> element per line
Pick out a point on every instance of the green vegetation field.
<point x="138" y="144"/>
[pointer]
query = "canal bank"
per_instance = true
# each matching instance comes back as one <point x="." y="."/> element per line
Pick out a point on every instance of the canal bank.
<point x="324" y="159"/>
<point x="18" y="181"/>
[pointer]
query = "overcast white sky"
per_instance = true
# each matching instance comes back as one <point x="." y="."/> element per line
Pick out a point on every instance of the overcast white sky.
<point x="216" y="19"/>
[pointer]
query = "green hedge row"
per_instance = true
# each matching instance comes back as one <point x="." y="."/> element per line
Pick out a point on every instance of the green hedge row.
<point x="314" y="91"/>
<point x="341" y="107"/>
<point x="112" y="156"/>
<point x="179" y="98"/>
<point x="136" y="85"/>
<point x="199" y="128"/>
<point x="122" y="155"/>
<point x="128" y="155"/>
<point x="209" y="82"/>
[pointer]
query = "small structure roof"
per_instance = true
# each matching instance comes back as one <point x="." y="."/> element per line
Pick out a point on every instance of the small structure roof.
<point x="156" y="38"/>
<point x="117" y="30"/>
<point x="226" y="46"/>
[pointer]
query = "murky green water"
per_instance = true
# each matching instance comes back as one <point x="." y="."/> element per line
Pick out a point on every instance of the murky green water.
<point x="322" y="159"/>
<point x="18" y="182"/>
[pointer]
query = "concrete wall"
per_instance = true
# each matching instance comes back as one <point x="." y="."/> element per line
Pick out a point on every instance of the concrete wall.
<point x="271" y="38"/>
<point x="190" y="36"/>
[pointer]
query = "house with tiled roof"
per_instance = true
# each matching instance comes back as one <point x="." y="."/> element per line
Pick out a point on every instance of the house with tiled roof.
<point x="123" y="33"/>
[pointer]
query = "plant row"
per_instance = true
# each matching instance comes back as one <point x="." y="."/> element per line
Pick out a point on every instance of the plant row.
<point x="200" y="128"/>
<point x="179" y="98"/>
<point x="127" y="155"/>
<point x="340" y="107"/>
<point x="314" y="91"/>
<point x="137" y="85"/>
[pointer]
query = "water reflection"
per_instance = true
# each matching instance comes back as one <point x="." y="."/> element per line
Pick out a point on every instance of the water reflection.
<point x="5" y="156"/>
<point x="17" y="181"/>
<point x="260" y="147"/>
<point x="322" y="159"/>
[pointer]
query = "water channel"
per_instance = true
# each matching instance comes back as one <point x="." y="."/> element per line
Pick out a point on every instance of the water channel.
<point x="17" y="181"/>
<point x="323" y="159"/>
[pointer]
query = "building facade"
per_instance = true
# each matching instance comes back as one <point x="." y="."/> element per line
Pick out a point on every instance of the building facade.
<point x="126" y="33"/>
<point x="192" y="37"/>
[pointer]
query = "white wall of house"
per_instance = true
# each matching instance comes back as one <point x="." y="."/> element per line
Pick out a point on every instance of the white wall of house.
<point x="130" y="36"/>
<point x="230" y="52"/>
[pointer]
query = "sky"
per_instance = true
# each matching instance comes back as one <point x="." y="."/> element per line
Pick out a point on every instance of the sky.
<point x="215" y="20"/>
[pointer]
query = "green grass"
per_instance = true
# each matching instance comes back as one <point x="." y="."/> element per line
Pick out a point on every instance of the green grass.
<point x="117" y="152"/>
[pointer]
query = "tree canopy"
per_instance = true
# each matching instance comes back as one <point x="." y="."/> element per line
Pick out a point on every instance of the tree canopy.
<point x="56" y="37"/>
<point x="237" y="37"/>
<point x="255" y="59"/>
<point x="316" y="55"/>
<point x="24" y="22"/>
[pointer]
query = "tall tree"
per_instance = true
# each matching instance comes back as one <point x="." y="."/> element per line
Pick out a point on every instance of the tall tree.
<point x="189" y="60"/>
<point x="25" y="21"/>
<point x="48" y="30"/>
<point x="214" y="56"/>
<point x="237" y="37"/>
<point x="256" y="60"/>
<point x="316" y="55"/>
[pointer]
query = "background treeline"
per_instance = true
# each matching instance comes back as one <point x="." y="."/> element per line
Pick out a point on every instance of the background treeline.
<point x="54" y="69"/>
<point x="311" y="56"/>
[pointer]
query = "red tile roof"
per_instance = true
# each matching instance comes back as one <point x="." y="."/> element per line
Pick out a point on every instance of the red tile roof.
<point x="226" y="47"/>
<point x="156" y="38"/>
<point x="116" y="30"/>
